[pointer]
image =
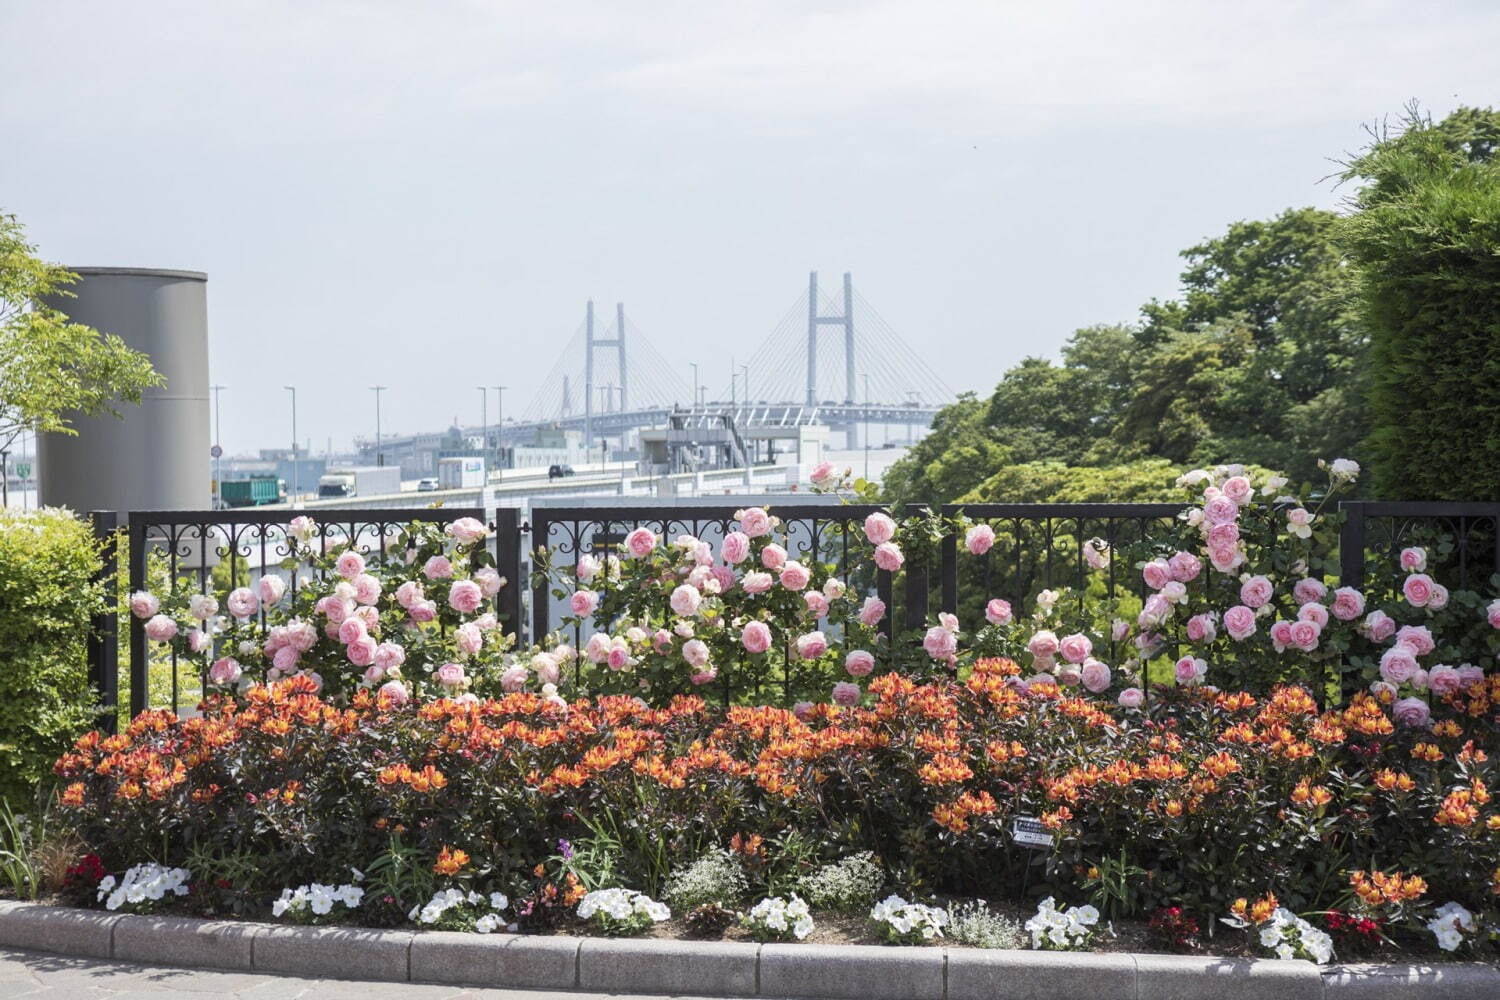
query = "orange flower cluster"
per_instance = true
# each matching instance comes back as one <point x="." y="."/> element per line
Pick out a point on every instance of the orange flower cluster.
<point x="450" y="861"/>
<point x="1257" y="912"/>
<point x="1377" y="889"/>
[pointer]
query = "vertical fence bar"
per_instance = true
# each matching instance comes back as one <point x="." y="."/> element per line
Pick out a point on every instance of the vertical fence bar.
<point x="949" y="570"/>
<point x="139" y="664"/>
<point x="541" y="599"/>
<point x="508" y="603"/>
<point x="1352" y="545"/>
<point x="104" y="645"/>
<point x="915" y="597"/>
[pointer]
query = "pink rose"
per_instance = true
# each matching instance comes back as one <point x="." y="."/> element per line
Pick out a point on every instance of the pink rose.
<point x="755" y="522"/>
<point x="437" y="568"/>
<point x="879" y="528"/>
<point x="833" y="588"/>
<point x="1308" y="590"/>
<point x="465" y="597"/>
<point x="618" y="657"/>
<point x="1418" y="589"/>
<point x="409" y="593"/>
<point x="997" y="612"/>
<point x="489" y="580"/>
<point x="724" y="577"/>
<point x="285" y="659"/>
<point x="1469" y="675"/>
<point x="979" y="539"/>
<point x="1281" y="635"/>
<point x="686" y="600"/>
<point x="202" y="607"/>
<point x="1119" y="629"/>
<point x="1221" y="510"/>
<point x="468" y="638"/>
<point x="389" y="656"/>
<point x="1223" y="536"/>
<point x="1313" y="613"/>
<point x="366" y="589"/>
<point x="873" y="610"/>
<point x="197" y="640"/>
<point x="224" y="672"/>
<point x="1439" y="599"/>
<point x="144" y="605"/>
<point x="1348" y="604"/>
<point x="352" y="629"/>
<point x="794" y="576"/>
<point x="513" y="679"/>
<point x="1201" y="628"/>
<point x="1132" y="697"/>
<point x="756" y="582"/>
<point x="394" y="694"/>
<point x="1411" y="712"/>
<point x="1226" y="560"/>
<point x="1418" y="637"/>
<point x="940" y="643"/>
<point x="817" y="604"/>
<point x="1305" y="635"/>
<point x="1174" y="591"/>
<point x="1239" y="622"/>
<point x="812" y="645"/>
<point x="1256" y="592"/>
<point x="773" y="557"/>
<point x="423" y="611"/>
<point x="859" y="663"/>
<point x="160" y="628"/>
<point x="597" y="648"/>
<point x="1444" y="679"/>
<point x="822" y="475"/>
<point x="1043" y="644"/>
<point x="1096" y="553"/>
<point x="1190" y="670"/>
<point x="1379" y="626"/>
<point x="242" y="602"/>
<point x="888" y="557"/>
<point x="1414" y="560"/>
<point x="702" y="677"/>
<point x="361" y="652"/>
<point x="1398" y="664"/>
<point x="1156" y="573"/>
<point x="450" y="675"/>
<point x="1075" y="648"/>
<point x="349" y="564"/>
<point x="467" y="531"/>
<point x="1154" y="611"/>
<point x="802" y="710"/>
<point x="756" y="637"/>
<point x="736" y="547"/>
<point x="1185" y="567"/>
<point x="640" y="542"/>
<point x="1095" y="676"/>
<point x="301" y="635"/>
<point x="271" y="589"/>
<point x="845" y="693"/>
<point x="583" y="602"/>
<point x="1069" y="675"/>
<point x="1238" y="489"/>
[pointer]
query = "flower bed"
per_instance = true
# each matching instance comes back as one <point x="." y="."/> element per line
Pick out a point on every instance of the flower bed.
<point x="377" y="721"/>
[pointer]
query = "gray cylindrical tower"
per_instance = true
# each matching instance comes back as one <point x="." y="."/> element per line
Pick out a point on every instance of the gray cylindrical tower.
<point x="155" y="456"/>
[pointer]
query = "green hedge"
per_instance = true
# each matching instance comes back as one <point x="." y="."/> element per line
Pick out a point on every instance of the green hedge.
<point x="1426" y="238"/>
<point x="48" y="560"/>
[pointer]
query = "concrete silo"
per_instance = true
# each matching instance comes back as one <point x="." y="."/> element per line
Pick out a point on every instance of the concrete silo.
<point x="155" y="456"/>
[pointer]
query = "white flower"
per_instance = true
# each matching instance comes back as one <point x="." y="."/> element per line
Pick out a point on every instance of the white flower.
<point x="1449" y="923"/>
<point x="149" y="882"/>
<point x="905" y="919"/>
<point x="783" y="916"/>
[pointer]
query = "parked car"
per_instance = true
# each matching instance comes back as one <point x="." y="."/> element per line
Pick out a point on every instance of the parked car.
<point x="428" y="484"/>
<point x="557" y="471"/>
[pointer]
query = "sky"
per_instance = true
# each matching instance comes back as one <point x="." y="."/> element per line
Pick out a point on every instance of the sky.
<point x="424" y="195"/>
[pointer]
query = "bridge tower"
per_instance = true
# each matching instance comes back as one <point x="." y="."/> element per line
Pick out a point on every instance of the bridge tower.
<point x="617" y="342"/>
<point x="846" y="320"/>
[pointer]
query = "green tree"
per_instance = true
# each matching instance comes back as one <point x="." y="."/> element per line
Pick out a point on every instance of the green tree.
<point x="954" y="456"/>
<point x="1425" y="235"/>
<point x="51" y="368"/>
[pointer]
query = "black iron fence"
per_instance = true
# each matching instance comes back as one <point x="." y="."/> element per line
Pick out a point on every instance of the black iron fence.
<point x="1038" y="546"/>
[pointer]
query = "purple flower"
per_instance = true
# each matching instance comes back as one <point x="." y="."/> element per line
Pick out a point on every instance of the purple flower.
<point x="565" y="849"/>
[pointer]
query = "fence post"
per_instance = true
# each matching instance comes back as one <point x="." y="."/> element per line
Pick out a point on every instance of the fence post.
<point x="508" y="563"/>
<point x="1352" y="545"/>
<point x="917" y="565"/>
<point x="949" y="571"/>
<point x="104" y="647"/>
<point x="541" y="597"/>
<point x="140" y="664"/>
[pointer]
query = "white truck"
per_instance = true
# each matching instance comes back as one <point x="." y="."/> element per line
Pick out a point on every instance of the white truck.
<point x="461" y="473"/>
<point x="369" y="480"/>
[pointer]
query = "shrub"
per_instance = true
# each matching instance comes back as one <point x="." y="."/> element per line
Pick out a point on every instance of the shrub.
<point x="718" y="877"/>
<point x="973" y="923"/>
<point x="846" y="886"/>
<point x="48" y="559"/>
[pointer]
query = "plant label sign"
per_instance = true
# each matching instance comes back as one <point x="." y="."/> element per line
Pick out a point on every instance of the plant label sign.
<point x="1029" y="831"/>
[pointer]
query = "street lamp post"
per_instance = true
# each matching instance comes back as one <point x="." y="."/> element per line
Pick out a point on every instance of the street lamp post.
<point x="499" y="431"/>
<point x="379" y="456"/>
<point x="218" y="449"/>
<point x="867" y="426"/>
<point x="694" y="366"/>
<point x="296" y="481"/>
<point x="484" y="421"/>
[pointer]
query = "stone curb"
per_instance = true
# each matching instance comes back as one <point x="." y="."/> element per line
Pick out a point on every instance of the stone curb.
<point x="717" y="968"/>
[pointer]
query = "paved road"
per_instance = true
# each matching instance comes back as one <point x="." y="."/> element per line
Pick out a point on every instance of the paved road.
<point x="60" y="977"/>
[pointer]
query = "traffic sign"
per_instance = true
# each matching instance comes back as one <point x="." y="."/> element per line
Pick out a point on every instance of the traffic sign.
<point x="216" y="451"/>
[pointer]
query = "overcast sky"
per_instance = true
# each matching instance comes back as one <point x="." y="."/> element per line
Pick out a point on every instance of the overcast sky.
<point x="425" y="194"/>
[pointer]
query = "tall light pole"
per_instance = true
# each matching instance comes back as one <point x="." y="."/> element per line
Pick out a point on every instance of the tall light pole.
<point x="218" y="449"/>
<point x="484" y="420"/>
<point x="379" y="457"/>
<point x="499" y="431"/>
<point x="866" y="376"/>
<point x="694" y="366"/>
<point x="296" y="482"/>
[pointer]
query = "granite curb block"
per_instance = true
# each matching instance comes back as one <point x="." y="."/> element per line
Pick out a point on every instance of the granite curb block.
<point x="722" y="968"/>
